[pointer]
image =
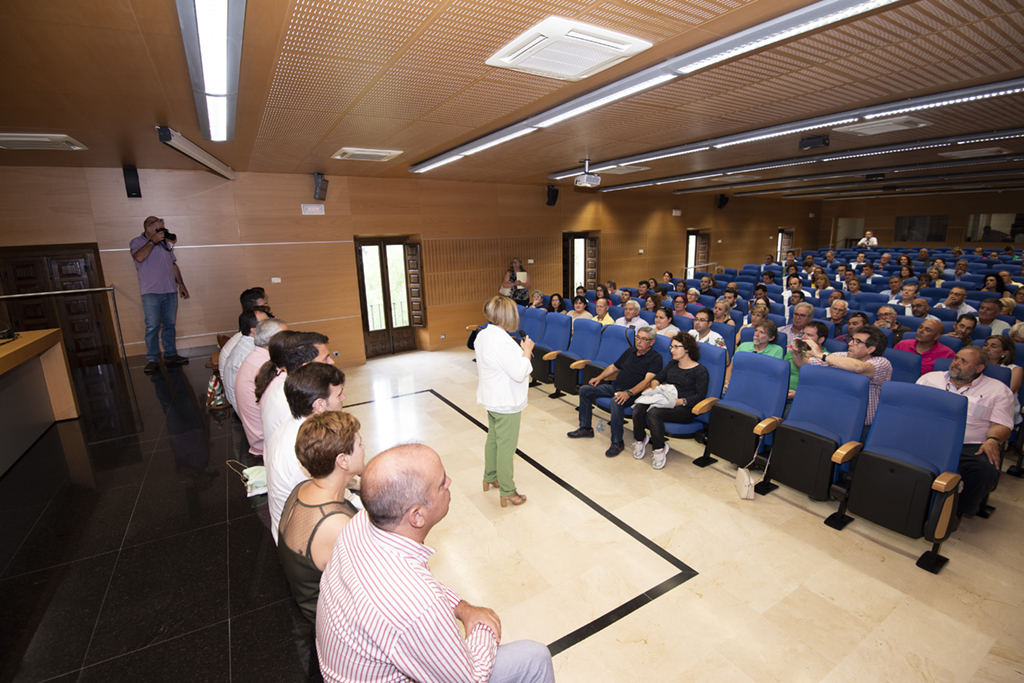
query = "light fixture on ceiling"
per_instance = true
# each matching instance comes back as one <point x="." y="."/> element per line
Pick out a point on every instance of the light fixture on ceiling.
<point x="40" y="141"/>
<point x="606" y="99"/>
<point x="211" y="31"/>
<point x="174" y="139"/>
<point x="364" y="154"/>
<point x="1009" y="88"/>
<point x="786" y="131"/>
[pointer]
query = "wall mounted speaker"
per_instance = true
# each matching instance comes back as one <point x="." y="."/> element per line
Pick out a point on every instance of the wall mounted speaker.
<point x="723" y="199"/>
<point x="552" y="195"/>
<point x="320" y="189"/>
<point x="131" y="181"/>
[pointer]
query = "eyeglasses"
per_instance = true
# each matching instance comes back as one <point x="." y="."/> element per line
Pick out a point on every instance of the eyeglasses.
<point x="855" y="342"/>
<point x="643" y="339"/>
<point x="676" y="346"/>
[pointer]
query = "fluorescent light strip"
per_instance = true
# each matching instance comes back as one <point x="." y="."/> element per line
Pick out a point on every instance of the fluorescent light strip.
<point x="494" y="143"/>
<point x="568" y="175"/>
<point x="217" y="110"/>
<point x="682" y="180"/>
<point x="957" y="100"/>
<point x="436" y="164"/>
<point x="650" y="83"/>
<point x="212" y="23"/>
<point x="787" y="132"/>
<point x="1000" y="137"/>
<point x="765" y="168"/>
<point x="784" y="35"/>
<point x="888" y="151"/>
<point x="625" y="187"/>
<point x="643" y="160"/>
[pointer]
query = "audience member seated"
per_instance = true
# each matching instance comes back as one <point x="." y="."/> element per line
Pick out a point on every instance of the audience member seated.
<point x="853" y="285"/>
<point x="642" y="289"/>
<point x="722" y="313"/>
<point x="993" y="283"/>
<point x="245" y="382"/>
<point x="600" y="292"/>
<point x="768" y="277"/>
<point x="955" y="301"/>
<point x="815" y="330"/>
<point x="959" y="270"/>
<point x="989" y="421"/>
<point x="611" y="287"/>
<point x="837" y="311"/>
<point x="987" y="312"/>
<point x="964" y="328"/>
<point x="821" y="284"/>
<point x="926" y="344"/>
<point x="702" y="331"/>
<point x="688" y="380"/>
<point x="758" y="314"/>
<point x="693" y="295"/>
<point x="230" y="362"/>
<point x="920" y="309"/>
<point x="636" y="368"/>
<point x="631" y="315"/>
<point x="857" y="321"/>
<point x="895" y="287"/>
<point x="579" y="309"/>
<point x="803" y="313"/>
<point x="624" y="296"/>
<point x="837" y="295"/>
<point x="653" y="302"/>
<point x="603" y="317"/>
<point x="555" y="304"/>
<point x="1017" y="332"/>
<point x="864" y="357"/>
<point x="330" y="449"/>
<point x="867" y="275"/>
<point x="663" y="323"/>
<point x="793" y="284"/>
<point x="287" y="354"/>
<point x="765" y="333"/>
<point x="1002" y="351"/>
<point x="537" y="299"/>
<point x="310" y="389"/>
<point x="842" y="274"/>
<point x="679" y="308"/>
<point x="904" y="303"/>
<point x="884" y="260"/>
<point x="250" y="298"/>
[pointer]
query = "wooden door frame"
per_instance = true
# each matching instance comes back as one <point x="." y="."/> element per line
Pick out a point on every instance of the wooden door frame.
<point x="383" y="242"/>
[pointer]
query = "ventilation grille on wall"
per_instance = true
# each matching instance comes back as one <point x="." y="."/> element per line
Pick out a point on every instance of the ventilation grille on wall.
<point x="883" y="126"/>
<point x="566" y="50"/>
<point x="36" y="141"/>
<point x="974" y="153"/>
<point x="360" y="154"/>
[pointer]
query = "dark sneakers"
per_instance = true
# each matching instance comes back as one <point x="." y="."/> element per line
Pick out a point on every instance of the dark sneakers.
<point x="615" y="449"/>
<point x="175" y="361"/>
<point x="582" y="433"/>
<point x="152" y="367"/>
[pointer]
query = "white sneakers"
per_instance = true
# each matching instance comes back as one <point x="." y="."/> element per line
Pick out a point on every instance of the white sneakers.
<point x="660" y="457"/>
<point x="639" y="446"/>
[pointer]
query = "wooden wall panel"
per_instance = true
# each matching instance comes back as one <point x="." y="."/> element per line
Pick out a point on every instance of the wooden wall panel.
<point x="44" y="206"/>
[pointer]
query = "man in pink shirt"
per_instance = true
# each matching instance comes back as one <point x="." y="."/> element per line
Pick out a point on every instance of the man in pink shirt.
<point x="927" y="345"/>
<point x="989" y="421"/>
<point x="245" y="383"/>
<point x="382" y="616"/>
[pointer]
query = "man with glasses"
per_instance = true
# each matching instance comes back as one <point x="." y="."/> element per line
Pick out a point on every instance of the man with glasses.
<point x="802" y="314"/>
<point x="886" y="319"/>
<point x="160" y="283"/>
<point x="955" y="302"/>
<point x="863" y="357"/>
<point x="702" y="331"/>
<point x="636" y="368"/>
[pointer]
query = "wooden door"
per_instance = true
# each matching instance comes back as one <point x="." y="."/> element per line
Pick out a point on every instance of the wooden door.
<point x="703" y="248"/>
<point x="386" y="295"/>
<point x="84" y="331"/>
<point x="592" y="252"/>
<point x="785" y="244"/>
<point x="27" y="275"/>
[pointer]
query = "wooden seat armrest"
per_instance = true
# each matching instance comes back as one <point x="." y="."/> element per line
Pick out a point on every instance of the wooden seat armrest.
<point x="767" y="426"/>
<point x="472" y="327"/>
<point x="847" y="452"/>
<point x="946" y="482"/>
<point x="551" y="355"/>
<point x="704" y="406"/>
<point x="579" y="365"/>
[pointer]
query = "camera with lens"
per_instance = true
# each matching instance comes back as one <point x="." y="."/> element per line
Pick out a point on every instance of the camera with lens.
<point x="800" y="345"/>
<point x="168" y="235"/>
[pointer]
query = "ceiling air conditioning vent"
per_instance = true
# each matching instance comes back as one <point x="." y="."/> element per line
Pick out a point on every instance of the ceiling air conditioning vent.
<point x="975" y="153"/>
<point x="34" y="141"/>
<point x="567" y="50"/>
<point x="883" y="126"/>
<point x="360" y="154"/>
<point x="625" y="170"/>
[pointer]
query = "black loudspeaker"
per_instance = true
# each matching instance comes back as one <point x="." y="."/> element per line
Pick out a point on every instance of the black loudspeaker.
<point x="131" y="181"/>
<point x="320" y="192"/>
<point x="723" y="199"/>
<point x="552" y="195"/>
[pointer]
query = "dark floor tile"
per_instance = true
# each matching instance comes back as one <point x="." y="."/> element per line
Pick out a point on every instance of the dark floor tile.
<point x="183" y="500"/>
<point x="256" y="575"/>
<point x="196" y="657"/>
<point x="15" y="529"/>
<point x="274" y="644"/>
<point x="120" y="463"/>
<point x="161" y="590"/>
<point x="47" y="618"/>
<point x="78" y="523"/>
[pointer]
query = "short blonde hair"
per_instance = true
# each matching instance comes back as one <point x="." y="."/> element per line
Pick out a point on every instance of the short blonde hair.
<point x="503" y="312"/>
<point x="1008" y="305"/>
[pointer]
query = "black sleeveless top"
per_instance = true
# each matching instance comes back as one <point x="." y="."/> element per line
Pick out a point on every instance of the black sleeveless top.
<point x="298" y="527"/>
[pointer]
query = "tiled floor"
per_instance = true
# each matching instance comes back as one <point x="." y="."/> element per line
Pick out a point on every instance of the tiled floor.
<point x="147" y="562"/>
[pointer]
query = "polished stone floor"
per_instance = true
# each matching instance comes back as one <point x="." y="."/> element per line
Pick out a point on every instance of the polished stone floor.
<point x="139" y="557"/>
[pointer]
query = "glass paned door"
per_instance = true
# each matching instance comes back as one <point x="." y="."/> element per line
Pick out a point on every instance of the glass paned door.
<point x="384" y="296"/>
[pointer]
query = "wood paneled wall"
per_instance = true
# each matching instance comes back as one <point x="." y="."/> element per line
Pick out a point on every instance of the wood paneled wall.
<point x="234" y="235"/>
<point x="880" y="214"/>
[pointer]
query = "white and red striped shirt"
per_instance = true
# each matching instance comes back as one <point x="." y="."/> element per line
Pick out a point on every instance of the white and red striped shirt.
<point x="382" y="616"/>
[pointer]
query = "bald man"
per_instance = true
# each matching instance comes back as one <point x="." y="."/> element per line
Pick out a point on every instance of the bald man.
<point x="383" y="616"/>
<point x="927" y="345"/>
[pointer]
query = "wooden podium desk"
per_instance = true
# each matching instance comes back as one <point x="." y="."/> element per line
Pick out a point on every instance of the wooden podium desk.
<point x="35" y="391"/>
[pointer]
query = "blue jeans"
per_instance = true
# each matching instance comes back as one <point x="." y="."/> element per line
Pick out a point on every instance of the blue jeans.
<point x="160" y="311"/>
<point x="605" y="389"/>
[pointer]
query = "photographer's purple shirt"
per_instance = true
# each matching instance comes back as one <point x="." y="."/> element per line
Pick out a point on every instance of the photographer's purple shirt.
<point x="156" y="272"/>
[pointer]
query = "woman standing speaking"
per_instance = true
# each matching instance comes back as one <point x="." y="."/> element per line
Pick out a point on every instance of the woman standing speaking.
<point x="504" y="368"/>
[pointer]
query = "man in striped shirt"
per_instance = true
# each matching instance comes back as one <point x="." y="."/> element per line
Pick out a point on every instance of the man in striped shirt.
<point x="382" y="616"/>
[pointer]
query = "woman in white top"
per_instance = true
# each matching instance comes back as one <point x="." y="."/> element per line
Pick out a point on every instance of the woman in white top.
<point x="504" y="369"/>
<point x="515" y="278"/>
<point x="1003" y="352"/>
<point x="663" y="323"/>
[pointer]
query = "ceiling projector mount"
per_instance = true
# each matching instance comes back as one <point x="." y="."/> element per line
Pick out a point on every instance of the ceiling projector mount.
<point x="588" y="179"/>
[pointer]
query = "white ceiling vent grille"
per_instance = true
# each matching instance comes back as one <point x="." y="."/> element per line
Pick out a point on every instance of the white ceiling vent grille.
<point x="34" y="141"/>
<point x="360" y="154"/>
<point x="566" y="50"/>
<point x="974" y="153"/>
<point x="883" y="126"/>
<point x="625" y="170"/>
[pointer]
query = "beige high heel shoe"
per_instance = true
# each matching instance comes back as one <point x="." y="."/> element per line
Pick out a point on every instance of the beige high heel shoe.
<point x="489" y="484"/>
<point x="516" y="499"/>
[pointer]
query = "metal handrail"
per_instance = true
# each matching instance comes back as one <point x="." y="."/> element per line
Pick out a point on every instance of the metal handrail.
<point x="703" y="267"/>
<point x="58" y="293"/>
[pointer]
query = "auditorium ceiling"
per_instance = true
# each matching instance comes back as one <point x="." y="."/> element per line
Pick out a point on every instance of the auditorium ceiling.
<point x="410" y="75"/>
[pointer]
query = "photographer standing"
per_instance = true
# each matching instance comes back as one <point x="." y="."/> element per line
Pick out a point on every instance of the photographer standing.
<point x="159" y="282"/>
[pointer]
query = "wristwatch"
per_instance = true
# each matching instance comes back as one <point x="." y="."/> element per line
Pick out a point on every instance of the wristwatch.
<point x="630" y="392"/>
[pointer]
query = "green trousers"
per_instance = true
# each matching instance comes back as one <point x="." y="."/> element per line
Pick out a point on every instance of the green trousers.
<point x="502" y="439"/>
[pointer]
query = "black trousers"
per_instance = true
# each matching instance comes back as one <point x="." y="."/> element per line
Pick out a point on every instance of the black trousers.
<point x="979" y="477"/>
<point x="644" y="415"/>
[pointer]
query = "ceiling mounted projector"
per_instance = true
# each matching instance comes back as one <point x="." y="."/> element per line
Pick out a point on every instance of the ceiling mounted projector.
<point x="587" y="179"/>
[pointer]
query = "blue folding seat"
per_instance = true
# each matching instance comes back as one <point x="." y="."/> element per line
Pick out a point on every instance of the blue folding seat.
<point x="728" y="273"/>
<point x="534" y="321"/>
<point x="778" y="318"/>
<point x="615" y="299"/>
<point x="591" y="295"/>
<point x="997" y="372"/>
<point x="556" y="338"/>
<point x="714" y="359"/>
<point x="616" y="312"/>
<point x="828" y="413"/>
<point x="586" y="338"/>
<point x="693" y="283"/>
<point x="943" y="314"/>
<point x="935" y="294"/>
<point x="747" y="277"/>
<point x="615" y="340"/>
<point x="906" y="477"/>
<point x="728" y="333"/>
<point x="647" y="316"/>
<point x="950" y="284"/>
<point x="955" y="343"/>
<point x="738" y="422"/>
<point x="981" y="333"/>
<point x="906" y="365"/>
<point x="747" y="335"/>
